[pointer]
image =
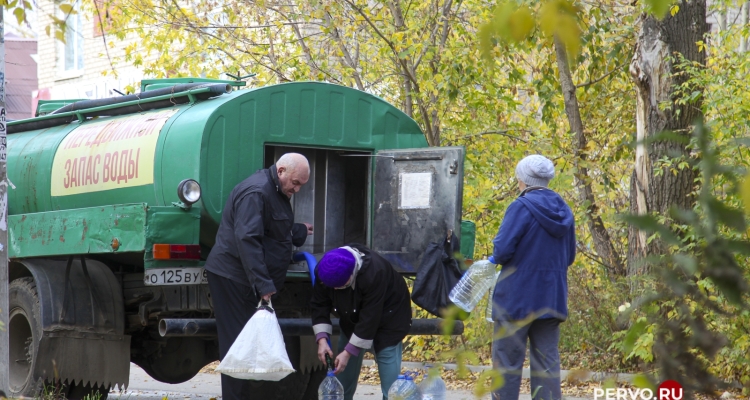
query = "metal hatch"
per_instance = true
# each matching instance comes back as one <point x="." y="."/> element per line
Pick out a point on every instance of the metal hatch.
<point x="417" y="201"/>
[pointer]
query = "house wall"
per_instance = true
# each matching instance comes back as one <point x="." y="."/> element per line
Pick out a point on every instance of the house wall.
<point x="90" y="81"/>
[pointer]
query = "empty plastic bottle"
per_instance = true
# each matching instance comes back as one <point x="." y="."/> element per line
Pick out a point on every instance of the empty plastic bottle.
<point x="473" y="285"/>
<point x="490" y="302"/>
<point x="432" y="387"/>
<point x="330" y="388"/>
<point x="404" y="388"/>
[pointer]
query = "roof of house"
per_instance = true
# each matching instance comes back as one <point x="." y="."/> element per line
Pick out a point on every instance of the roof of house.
<point x="20" y="76"/>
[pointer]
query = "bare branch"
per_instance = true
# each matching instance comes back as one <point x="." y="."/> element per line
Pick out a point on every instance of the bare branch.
<point x="501" y="133"/>
<point x="599" y="79"/>
<point x="104" y="36"/>
<point x="347" y="58"/>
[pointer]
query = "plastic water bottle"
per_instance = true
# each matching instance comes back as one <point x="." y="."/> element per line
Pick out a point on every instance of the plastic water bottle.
<point x="432" y="387"/>
<point x="404" y="388"/>
<point x="330" y="388"/>
<point x="473" y="285"/>
<point x="490" y="300"/>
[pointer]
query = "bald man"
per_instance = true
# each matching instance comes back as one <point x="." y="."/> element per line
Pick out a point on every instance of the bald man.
<point x="253" y="250"/>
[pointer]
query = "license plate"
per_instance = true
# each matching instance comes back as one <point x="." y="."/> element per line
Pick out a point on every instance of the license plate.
<point x="175" y="276"/>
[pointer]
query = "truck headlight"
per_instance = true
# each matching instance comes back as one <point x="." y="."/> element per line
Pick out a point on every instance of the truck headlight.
<point x="189" y="191"/>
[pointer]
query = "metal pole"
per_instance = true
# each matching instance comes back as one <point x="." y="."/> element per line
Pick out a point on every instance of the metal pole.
<point x="4" y="343"/>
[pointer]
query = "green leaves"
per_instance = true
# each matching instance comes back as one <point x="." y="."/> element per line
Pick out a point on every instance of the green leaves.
<point x="651" y="224"/>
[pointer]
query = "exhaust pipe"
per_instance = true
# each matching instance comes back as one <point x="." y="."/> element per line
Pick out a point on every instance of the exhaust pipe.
<point x="171" y="327"/>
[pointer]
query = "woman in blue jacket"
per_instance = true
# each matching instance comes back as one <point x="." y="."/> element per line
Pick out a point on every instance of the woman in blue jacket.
<point x="535" y="245"/>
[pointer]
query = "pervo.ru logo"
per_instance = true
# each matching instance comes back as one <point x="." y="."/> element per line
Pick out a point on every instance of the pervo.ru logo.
<point x="668" y="390"/>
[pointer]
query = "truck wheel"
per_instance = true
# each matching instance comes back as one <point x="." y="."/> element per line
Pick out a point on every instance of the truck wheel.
<point x="25" y="330"/>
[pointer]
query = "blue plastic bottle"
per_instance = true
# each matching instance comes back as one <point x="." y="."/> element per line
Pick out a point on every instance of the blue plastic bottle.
<point x="330" y="388"/>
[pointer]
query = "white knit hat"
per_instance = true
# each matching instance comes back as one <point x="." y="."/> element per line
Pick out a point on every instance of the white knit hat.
<point x="535" y="170"/>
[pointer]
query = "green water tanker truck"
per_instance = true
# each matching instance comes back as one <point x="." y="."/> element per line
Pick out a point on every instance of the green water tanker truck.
<point x="115" y="204"/>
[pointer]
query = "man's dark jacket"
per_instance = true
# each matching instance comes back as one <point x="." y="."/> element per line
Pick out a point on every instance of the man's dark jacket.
<point x="254" y="242"/>
<point x="377" y="311"/>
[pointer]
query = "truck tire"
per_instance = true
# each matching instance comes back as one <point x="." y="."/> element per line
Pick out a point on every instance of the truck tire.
<point x="25" y="331"/>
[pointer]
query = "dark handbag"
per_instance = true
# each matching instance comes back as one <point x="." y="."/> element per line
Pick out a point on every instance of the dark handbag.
<point x="436" y="276"/>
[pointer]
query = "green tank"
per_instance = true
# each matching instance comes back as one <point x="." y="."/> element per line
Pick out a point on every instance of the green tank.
<point x="115" y="205"/>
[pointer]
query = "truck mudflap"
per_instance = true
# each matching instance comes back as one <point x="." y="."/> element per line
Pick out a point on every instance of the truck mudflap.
<point x="82" y="319"/>
<point x="85" y="359"/>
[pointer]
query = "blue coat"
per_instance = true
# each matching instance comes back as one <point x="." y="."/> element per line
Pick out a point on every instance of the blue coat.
<point x="535" y="245"/>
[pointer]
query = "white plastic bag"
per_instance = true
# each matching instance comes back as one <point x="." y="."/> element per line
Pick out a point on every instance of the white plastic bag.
<point x="258" y="353"/>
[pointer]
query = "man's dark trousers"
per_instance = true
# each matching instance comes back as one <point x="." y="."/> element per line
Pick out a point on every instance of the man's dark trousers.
<point x="509" y="352"/>
<point x="233" y="305"/>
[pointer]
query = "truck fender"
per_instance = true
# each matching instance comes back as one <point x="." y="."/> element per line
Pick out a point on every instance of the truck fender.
<point x="82" y="319"/>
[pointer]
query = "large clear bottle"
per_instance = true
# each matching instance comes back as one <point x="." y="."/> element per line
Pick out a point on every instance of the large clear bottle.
<point x="490" y="301"/>
<point x="476" y="281"/>
<point x="404" y="388"/>
<point x="330" y="388"/>
<point x="432" y="387"/>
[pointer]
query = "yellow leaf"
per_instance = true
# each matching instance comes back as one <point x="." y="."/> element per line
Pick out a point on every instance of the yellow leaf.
<point x="20" y="14"/>
<point x="521" y="23"/>
<point x="674" y="10"/>
<point x="59" y="35"/>
<point x="67" y="8"/>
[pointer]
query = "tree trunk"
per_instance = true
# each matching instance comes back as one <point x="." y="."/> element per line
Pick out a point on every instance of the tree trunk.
<point x="721" y="21"/>
<point x="599" y="234"/>
<point x="655" y="187"/>
<point x="744" y="16"/>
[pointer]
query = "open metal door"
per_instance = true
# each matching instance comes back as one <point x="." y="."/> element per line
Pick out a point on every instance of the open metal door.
<point x="417" y="201"/>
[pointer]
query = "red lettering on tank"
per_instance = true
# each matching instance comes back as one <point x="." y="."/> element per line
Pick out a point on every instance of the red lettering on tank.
<point x="66" y="181"/>
<point x="137" y="156"/>
<point x="89" y="173"/>
<point x="123" y="173"/>
<point x="97" y="160"/>
<point x="114" y="166"/>
<point x="74" y="173"/>
<point x="105" y="170"/>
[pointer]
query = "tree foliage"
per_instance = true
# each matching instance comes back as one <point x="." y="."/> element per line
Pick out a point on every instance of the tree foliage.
<point x="21" y="9"/>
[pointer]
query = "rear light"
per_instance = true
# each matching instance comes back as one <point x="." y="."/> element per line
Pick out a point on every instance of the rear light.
<point x="177" y="252"/>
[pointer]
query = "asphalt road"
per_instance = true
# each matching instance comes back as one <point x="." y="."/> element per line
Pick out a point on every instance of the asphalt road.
<point x="208" y="386"/>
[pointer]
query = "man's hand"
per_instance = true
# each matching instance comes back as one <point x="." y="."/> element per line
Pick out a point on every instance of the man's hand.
<point x="309" y="228"/>
<point x="341" y="361"/>
<point x="267" y="297"/>
<point x="323" y="349"/>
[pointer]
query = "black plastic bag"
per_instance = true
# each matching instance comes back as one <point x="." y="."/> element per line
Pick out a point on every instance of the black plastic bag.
<point x="436" y="276"/>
